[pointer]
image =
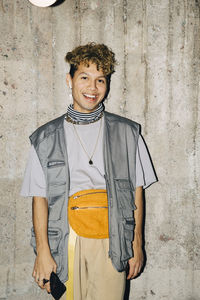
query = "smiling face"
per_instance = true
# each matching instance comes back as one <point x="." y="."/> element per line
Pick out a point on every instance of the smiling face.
<point x="88" y="87"/>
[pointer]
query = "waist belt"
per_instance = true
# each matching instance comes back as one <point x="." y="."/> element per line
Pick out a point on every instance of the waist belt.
<point x="88" y="213"/>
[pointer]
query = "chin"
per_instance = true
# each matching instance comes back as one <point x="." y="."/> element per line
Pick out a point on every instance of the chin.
<point x="91" y="106"/>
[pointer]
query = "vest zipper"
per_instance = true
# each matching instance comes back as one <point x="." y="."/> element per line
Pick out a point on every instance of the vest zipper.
<point x="78" y="196"/>
<point x="87" y="207"/>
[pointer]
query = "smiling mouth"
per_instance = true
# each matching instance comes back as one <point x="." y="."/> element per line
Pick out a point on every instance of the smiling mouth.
<point x="90" y="97"/>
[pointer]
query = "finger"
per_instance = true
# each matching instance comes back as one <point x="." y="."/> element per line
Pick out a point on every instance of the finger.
<point x="46" y="283"/>
<point x="130" y="274"/>
<point x="34" y="269"/>
<point x="136" y="271"/>
<point x="37" y="278"/>
<point x="34" y="273"/>
<point x="40" y="283"/>
<point x="131" y="271"/>
<point x="47" y="287"/>
<point x="54" y="268"/>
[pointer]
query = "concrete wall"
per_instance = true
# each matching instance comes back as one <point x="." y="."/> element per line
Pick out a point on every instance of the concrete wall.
<point x="157" y="44"/>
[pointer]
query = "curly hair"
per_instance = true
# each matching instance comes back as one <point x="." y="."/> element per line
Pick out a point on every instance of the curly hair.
<point x="98" y="54"/>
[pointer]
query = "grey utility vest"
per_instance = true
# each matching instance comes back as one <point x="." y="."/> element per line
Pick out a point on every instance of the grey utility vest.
<point x="120" y="144"/>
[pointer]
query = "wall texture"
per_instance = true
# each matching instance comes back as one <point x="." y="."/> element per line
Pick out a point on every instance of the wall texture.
<point x="157" y="44"/>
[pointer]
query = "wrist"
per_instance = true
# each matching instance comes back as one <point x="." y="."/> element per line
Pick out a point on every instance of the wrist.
<point x="43" y="248"/>
<point x="138" y="241"/>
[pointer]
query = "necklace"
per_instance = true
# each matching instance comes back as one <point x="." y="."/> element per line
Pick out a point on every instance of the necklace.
<point x="90" y="157"/>
<point x="85" y="122"/>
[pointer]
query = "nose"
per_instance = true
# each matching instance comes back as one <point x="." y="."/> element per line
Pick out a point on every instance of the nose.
<point x="92" y="85"/>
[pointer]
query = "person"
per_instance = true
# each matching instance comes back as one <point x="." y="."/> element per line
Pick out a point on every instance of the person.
<point x="86" y="172"/>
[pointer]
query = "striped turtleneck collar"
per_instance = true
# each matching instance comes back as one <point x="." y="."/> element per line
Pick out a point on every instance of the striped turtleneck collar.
<point x="77" y="117"/>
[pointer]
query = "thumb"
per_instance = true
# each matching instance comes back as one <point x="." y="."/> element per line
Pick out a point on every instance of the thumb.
<point x="54" y="267"/>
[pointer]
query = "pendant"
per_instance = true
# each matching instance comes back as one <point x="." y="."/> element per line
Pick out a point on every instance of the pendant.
<point x="90" y="162"/>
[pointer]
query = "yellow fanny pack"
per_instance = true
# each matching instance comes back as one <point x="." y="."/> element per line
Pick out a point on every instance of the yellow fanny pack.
<point x="88" y="213"/>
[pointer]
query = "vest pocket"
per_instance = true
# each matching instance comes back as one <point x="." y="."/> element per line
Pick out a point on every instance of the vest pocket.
<point x="56" y="172"/>
<point x="127" y="238"/>
<point x="55" y="209"/>
<point x="54" y="238"/>
<point x="125" y="196"/>
<point x="56" y="200"/>
<point x="54" y="235"/>
<point x="57" y="189"/>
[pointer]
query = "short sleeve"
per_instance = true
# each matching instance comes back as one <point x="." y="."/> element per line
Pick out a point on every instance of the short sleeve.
<point x="34" y="183"/>
<point x="145" y="174"/>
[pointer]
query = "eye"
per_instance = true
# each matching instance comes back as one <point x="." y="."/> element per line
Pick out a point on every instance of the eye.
<point x="101" y="81"/>
<point x="84" y="77"/>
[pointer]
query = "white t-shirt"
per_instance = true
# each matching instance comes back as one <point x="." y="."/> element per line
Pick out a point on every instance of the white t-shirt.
<point x="83" y="175"/>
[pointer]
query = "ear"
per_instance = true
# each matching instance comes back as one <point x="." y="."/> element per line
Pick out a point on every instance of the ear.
<point x="69" y="80"/>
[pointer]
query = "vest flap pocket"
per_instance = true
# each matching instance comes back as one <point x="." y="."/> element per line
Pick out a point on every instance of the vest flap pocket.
<point x="55" y="163"/>
<point x="125" y="196"/>
<point x="56" y="172"/>
<point x="127" y="238"/>
<point x="123" y="184"/>
<point x="57" y="189"/>
<point x="129" y="229"/>
<point x="55" y="207"/>
<point x="54" y="236"/>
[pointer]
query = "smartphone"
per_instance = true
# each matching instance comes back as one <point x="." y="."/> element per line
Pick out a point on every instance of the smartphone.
<point x="57" y="287"/>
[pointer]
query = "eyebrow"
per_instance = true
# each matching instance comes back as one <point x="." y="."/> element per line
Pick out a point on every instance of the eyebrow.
<point x="84" y="73"/>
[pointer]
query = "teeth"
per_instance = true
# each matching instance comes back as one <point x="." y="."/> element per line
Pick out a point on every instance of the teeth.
<point x="89" y="96"/>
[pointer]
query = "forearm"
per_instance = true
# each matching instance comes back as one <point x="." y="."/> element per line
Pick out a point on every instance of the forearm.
<point x="40" y="222"/>
<point x="44" y="262"/>
<point x="138" y="215"/>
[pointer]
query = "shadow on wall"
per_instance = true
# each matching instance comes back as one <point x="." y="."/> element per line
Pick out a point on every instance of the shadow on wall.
<point x="57" y="3"/>
<point x="128" y="282"/>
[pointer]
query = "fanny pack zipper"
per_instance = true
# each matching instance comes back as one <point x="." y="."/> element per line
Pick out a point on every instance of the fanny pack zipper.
<point x="78" y="196"/>
<point x="87" y="207"/>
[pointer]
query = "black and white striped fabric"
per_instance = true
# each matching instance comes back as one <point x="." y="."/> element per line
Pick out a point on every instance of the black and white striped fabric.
<point x="84" y="118"/>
